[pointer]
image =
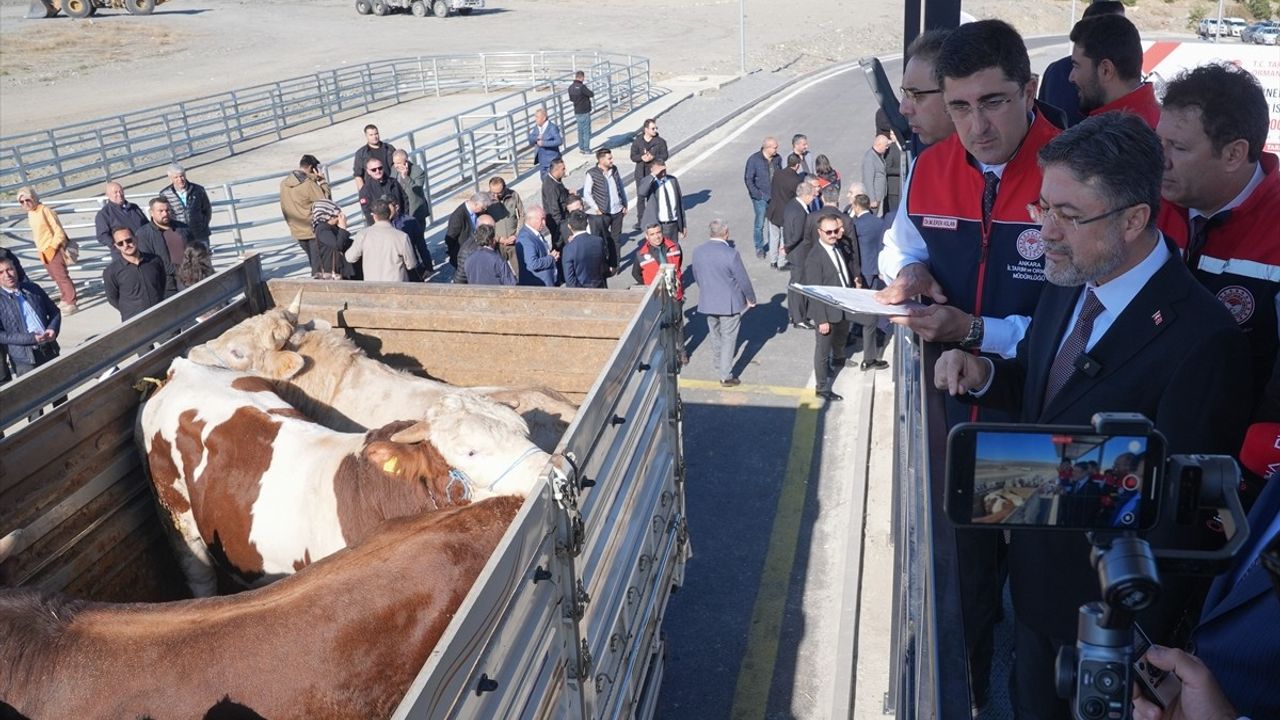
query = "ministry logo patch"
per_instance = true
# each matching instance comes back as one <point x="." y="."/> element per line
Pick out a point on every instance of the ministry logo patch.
<point x="1030" y="246"/>
<point x="1239" y="301"/>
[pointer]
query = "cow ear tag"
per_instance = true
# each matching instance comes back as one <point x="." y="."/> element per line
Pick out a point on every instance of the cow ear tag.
<point x="391" y="465"/>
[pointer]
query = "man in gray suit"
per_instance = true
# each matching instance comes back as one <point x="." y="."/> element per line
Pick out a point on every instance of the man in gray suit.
<point x="724" y="294"/>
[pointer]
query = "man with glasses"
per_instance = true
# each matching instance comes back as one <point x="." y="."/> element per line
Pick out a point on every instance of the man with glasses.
<point x="646" y="148"/>
<point x="827" y="264"/>
<point x="379" y="184"/>
<point x="1122" y="326"/>
<point x="921" y="103"/>
<point x="134" y="280"/>
<point x="965" y="240"/>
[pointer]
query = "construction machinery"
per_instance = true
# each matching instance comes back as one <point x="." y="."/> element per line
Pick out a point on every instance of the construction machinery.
<point x="86" y="8"/>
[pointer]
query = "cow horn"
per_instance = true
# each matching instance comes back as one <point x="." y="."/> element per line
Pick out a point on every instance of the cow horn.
<point x="415" y="433"/>
<point x="10" y="544"/>
<point x="295" y="307"/>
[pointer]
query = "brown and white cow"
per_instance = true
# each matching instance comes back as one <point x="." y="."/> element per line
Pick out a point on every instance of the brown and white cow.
<point x="343" y="640"/>
<point x="324" y="374"/>
<point x="255" y="488"/>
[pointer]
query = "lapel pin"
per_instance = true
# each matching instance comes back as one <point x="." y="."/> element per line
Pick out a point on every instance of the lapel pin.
<point x="1157" y="318"/>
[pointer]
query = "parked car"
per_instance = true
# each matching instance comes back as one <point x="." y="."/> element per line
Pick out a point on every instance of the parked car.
<point x="1236" y="24"/>
<point x="1269" y="35"/>
<point x="1208" y="28"/>
<point x="1246" y="35"/>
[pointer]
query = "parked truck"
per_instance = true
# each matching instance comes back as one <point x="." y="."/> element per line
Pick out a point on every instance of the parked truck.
<point x="419" y="8"/>
<point x="565" y="619"/>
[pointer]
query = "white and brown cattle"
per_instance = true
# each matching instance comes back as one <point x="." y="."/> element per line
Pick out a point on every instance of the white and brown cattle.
<point x="324" y="374"/>
<point x="253" y="487"/>
<point x="342" y="640"/>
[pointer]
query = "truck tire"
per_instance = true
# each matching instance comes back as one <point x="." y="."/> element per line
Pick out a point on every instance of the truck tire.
<point x="380" y="8"/>
<point x="419" y="8"/>
<point x="440" y="8"/>
<point x="364" y="7"/>
<point x="464" y="11"/>
<point x="140" y="7"/>
<point x="77" y="8"/>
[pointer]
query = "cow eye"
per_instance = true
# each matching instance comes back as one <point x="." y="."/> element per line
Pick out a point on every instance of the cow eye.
<point x="237" y="354"/>
<point x="471" y="453"/>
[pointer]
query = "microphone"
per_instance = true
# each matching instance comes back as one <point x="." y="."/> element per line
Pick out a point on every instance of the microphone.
<point x="1260" y="452"/>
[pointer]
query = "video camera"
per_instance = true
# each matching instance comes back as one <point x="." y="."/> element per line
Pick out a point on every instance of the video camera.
<point x="1114" y="482"/>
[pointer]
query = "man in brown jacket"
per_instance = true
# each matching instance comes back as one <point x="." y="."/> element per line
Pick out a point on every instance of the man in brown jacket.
<point x="298" y="190"/>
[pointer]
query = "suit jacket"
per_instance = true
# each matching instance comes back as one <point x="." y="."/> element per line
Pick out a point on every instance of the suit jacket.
<point x="457" y="232"/>
<point x="648" y="189"/>
<point x="1176" y="356"/>
<point x="724" y="287"/>
<point x="583" y="261"/>
<point x="819" y="270"/>
<point x="551" y="142"/>
<point x="869" y="229"/>
<point x="848" y="241"/>
<point x="1239" y="632"/>
<point x="874" y="176"/>
<point x="782" y="190"/>
<point x="537" y="267"/>
<point x="14" y="336"/>
<point x="793" y="221"/>
<point x="554" y="197"/>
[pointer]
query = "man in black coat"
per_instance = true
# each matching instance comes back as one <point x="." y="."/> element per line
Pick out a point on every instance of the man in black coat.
<point x="826" y="263"/>
<point x="793" y="222"/>
<point x="583" y="257"/>
<point x="29" y="325"/>
<point x="462" y="222"/>
<point x="646" y="147"/>
<point x="378" y="184"/>
<point x="134" y="280"/>
<point x="167" y="239"/>
<point x="782" y="191"/>
<point x="1122" y="327"/>
<point x="555" y="196"/>
<point x="116" y="212"/>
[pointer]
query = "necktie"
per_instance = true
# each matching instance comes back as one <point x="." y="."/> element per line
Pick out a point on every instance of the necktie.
<point x="990" y="185"/>
<point x="1065" y="363"/>
<point x="840" y="269"/>
<point x="1200" y="227"/>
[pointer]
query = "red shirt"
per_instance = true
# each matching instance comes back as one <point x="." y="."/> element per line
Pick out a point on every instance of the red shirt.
<point x="1140" y="102"/>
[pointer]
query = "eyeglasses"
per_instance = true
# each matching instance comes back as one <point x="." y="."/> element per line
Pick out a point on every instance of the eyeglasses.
<point x="375" y="169"/>
<point x="986" y="106"/>
<point x="1042" y="215"/>
<point x="24" y="201"/>
<point x="126" y="241"/>
<point x="832" y="231"/>
<point x="914" y="95"/>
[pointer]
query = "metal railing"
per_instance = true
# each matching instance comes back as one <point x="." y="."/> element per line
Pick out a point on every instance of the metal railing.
<point x="927" y="672"/>
<point x="82" y="154"/>
<point x="455" y="152"/>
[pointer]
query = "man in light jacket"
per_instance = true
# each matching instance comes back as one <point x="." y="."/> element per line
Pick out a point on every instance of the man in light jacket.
<point x="298" y="190"/>
<point x="388" y="255"/>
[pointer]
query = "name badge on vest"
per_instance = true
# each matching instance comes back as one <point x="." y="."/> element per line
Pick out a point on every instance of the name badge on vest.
<point x="940" y="223"/>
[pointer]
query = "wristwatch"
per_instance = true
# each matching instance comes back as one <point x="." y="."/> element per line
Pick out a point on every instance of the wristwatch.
<point x="974" y="338"/>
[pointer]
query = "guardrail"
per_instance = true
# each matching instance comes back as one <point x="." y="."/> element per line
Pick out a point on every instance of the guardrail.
<point x="927" y="673"/>
<point x="82" y="154"/>
<point x="455" y="152"/>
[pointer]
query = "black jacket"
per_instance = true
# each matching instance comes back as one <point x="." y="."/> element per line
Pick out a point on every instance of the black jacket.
<point x="331" y="242"/>
<point x="21" y="344"/>
<point x="196" y="213"/>
<point x="819" y="270"/>
<point x="657" y="146"/>
<point x="374" y="189"/>
<point x="1175" y="355"/>
<point x="134" y="288"/>
<point x="458" y="232"/>
<point x="150" y="239"/>
<point x="384" y="152"/>
<point x="583" y="260"/>
<point x="113" y="216"/>
<point x="782" y="190"/>
<point x="580" y="95"/>
<point x="554" y="197"/>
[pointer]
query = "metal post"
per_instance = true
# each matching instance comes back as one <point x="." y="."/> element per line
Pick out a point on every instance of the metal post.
<point x="1217" y="30"/>
<point x="742" y="37"/>
<point x="235" y="219"/>
<point x="475" y="164"/>
<point x="609" y="64"/>
<point x="435" y="73"/>
<point x="484" y="72"/>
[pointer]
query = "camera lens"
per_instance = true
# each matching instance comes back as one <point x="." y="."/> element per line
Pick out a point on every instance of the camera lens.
<point x="1093" y="708"/>
<point x="1107" y="681"/>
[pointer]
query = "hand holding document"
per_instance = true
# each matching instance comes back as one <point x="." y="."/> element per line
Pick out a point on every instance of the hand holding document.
<point x="855" y="300"/>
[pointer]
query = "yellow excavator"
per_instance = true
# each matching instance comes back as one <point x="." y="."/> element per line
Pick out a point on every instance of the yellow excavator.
<point x="85" y="8"/>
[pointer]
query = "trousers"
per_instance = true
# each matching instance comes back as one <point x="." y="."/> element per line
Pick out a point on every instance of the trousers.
<point x="824" y="348"/>
<point x="723" y="331"/>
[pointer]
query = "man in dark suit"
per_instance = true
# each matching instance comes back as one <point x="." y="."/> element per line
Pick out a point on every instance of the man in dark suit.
<point x="827" y="264"/>
<point x="793" y="239"/>
<point x="782" y="191"/>
<point x="555" y="196"/>
<point x="724" y="294"/>
<point x="462" y="222"/>
<point x="583" y="256"/>
<point x="1122" y="326"/>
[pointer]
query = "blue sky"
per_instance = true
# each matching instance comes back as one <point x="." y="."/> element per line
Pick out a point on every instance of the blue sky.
<point x="1039" y="447"/>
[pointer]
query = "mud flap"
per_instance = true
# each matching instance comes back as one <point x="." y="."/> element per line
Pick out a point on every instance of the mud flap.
<point x="41" y="9"/>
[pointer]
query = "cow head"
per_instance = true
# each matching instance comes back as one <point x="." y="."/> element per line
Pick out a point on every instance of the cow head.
<point x="485" y="441"/>
<point x="255" y="345"/>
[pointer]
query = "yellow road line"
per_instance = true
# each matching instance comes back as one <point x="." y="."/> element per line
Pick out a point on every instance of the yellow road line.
<point x="755" y="676"/>
<point x="783" y="390"/>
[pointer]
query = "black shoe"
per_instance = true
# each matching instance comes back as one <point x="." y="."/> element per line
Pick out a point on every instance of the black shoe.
<point x="731" y="382"/>
<point x="761" y="254"/>
<point x="829" y="396"/>
<point x="773" y="266"/>
<point x="804" y="325"/>
<point x="874" y="365"/>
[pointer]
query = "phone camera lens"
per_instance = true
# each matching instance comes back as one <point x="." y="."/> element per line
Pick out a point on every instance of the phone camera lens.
<point x="1107" y="681"/>
<point x="1093" y="708"/>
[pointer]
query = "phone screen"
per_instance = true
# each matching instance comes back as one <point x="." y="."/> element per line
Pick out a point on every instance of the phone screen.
<point x="1023" y="477"/>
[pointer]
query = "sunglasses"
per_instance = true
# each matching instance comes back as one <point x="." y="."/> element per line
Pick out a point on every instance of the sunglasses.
<point x="122" y="243"/>
<point x="375" y="169"/>
<point x="832" y="231"/>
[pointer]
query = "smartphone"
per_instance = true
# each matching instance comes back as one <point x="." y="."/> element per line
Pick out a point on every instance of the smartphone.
<point x="1159" y="686"/>
<point x="1060" y="478"/>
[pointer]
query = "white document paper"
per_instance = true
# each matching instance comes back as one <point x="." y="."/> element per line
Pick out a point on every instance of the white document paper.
<point x="855" y="300"/>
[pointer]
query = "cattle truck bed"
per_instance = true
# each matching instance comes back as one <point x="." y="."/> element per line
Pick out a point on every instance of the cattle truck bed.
<point x="563" y="622"/>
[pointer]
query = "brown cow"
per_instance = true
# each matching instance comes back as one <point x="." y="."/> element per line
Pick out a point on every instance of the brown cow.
<point x="343" y="640"/>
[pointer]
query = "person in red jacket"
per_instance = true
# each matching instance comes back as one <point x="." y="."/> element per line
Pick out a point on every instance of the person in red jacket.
<point x="1222" y="205"/>
<point x="1106" y="68"/>
<point x="652" y="254"/>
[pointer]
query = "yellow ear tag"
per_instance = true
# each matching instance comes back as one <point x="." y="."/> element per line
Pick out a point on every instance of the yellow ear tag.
<point x="391" y="464"/>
